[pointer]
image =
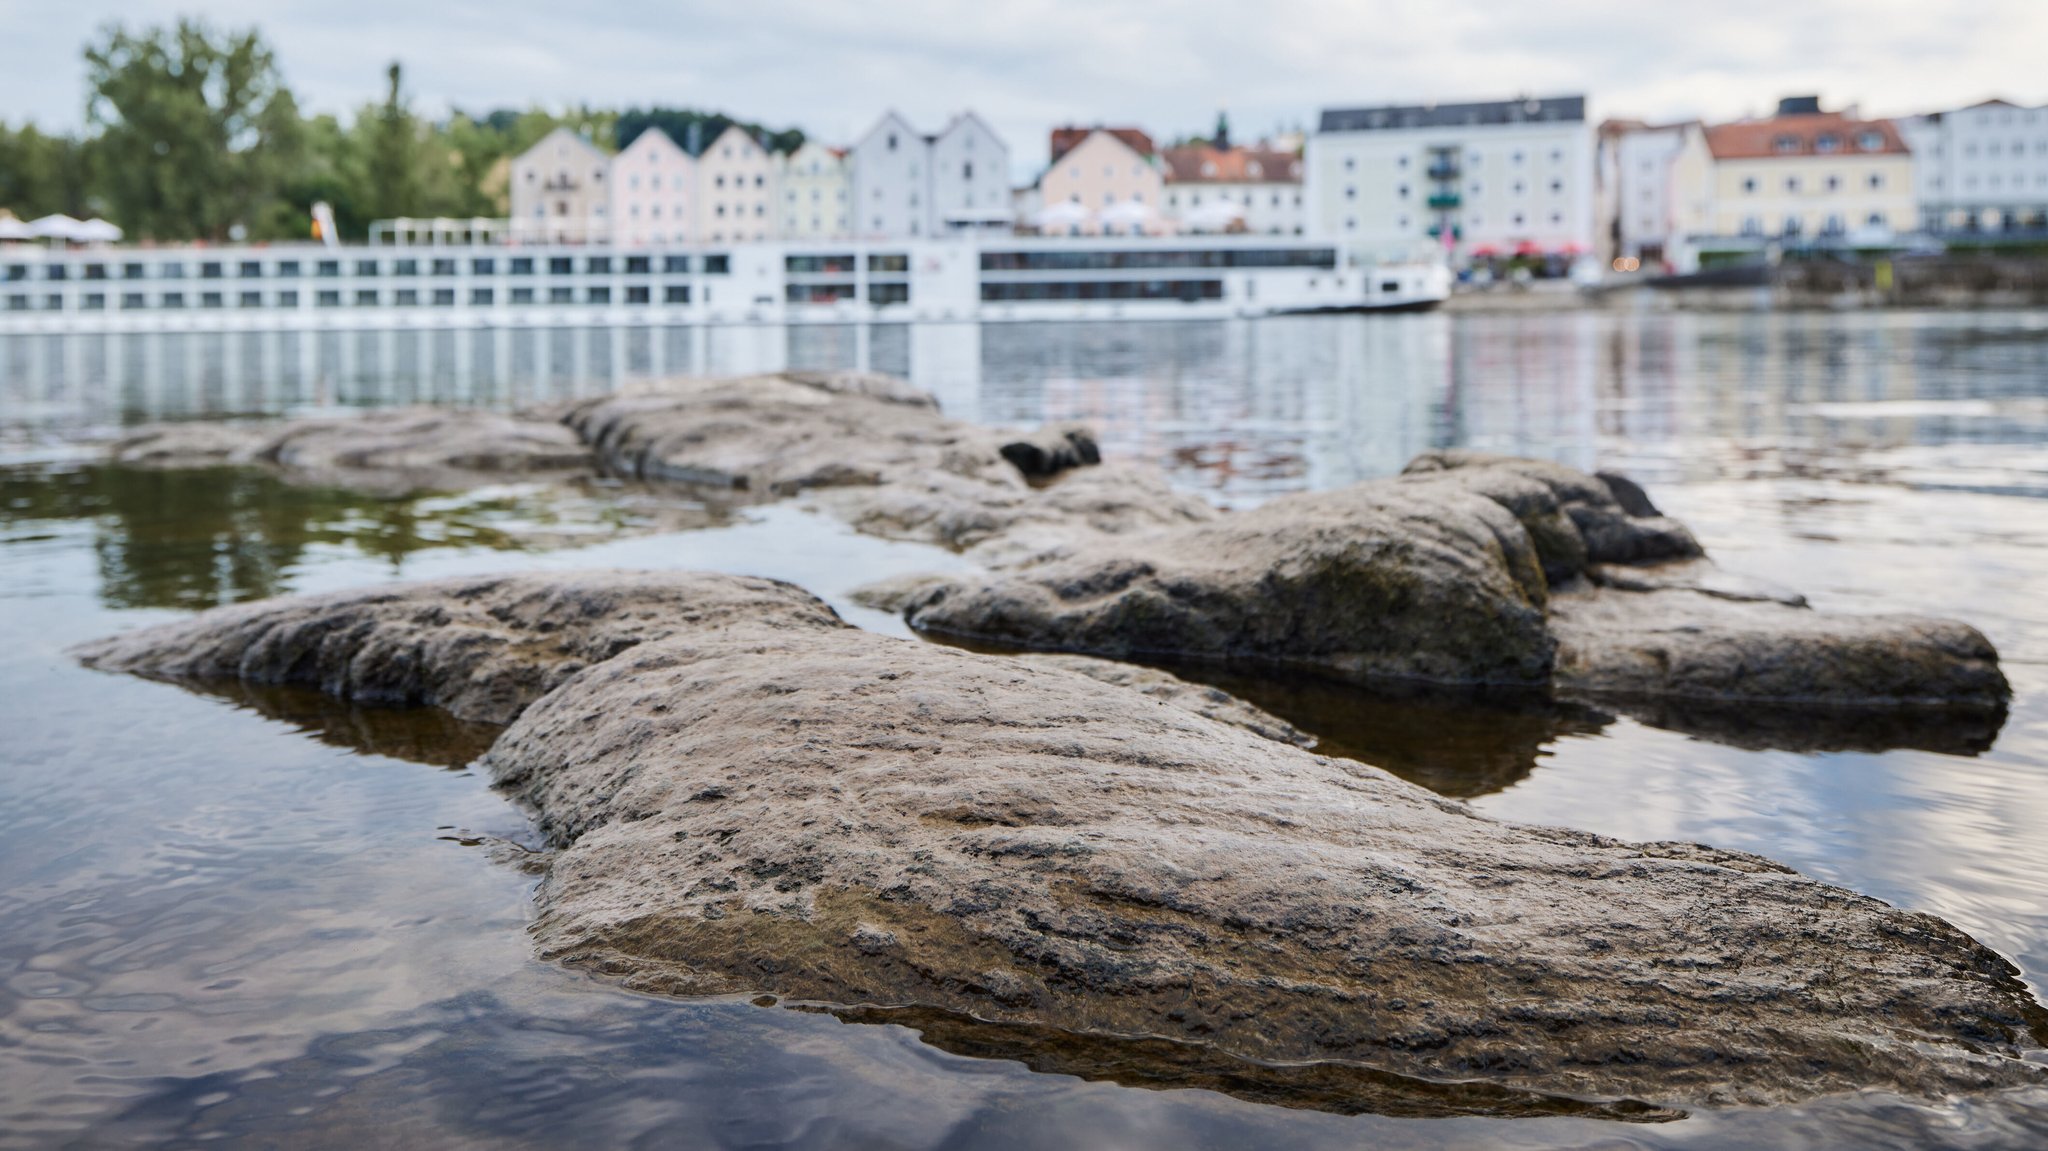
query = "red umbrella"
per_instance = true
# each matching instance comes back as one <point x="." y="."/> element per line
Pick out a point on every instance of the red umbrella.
<point x="1528" y="248"/>
<point x="1484" y="250"/>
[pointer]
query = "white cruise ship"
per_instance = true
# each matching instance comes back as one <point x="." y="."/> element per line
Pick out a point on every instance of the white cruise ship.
<point x="982" y="279"/>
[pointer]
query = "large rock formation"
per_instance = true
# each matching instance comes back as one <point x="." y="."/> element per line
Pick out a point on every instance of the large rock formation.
<point x="1466" y="569"/>
<point x="749" y="796"/>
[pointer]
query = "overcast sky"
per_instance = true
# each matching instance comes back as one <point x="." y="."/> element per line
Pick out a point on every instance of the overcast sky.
<point x="832" y="66"/>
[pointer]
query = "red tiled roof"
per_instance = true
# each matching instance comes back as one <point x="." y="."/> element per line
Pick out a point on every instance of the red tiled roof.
<point x="1800" y="136"/>
<point x="1066" y="139"/>
<point x="1203" y="164"/>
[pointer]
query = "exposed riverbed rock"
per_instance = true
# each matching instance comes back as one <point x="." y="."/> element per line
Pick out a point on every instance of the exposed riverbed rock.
<point x="1465" y="569"/>
<point x="403" y="449"/>
<point x="748" y="796"/>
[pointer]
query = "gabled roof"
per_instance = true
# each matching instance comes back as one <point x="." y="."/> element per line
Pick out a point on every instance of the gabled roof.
<point x="1204" y="164"/>
<point x="655" y="136"/>
<point x="730" y="129"/>
<point x="1805" y="135"/>
<point x="891" y="118"/>
<point x="1067" y="139"/>
<point x="563" y="134"/>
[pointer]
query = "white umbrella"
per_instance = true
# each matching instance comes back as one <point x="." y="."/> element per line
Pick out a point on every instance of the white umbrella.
<point x="1127" y="214"/>
<point x="55" y="227"/>
<point x="1064" y="214"/>
<point x="1214" y="216"/>
<point x="97" y="231"/>
<point x="13" y="229"/>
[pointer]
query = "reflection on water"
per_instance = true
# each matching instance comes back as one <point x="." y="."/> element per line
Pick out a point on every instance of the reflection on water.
<point x="259" y="923"/>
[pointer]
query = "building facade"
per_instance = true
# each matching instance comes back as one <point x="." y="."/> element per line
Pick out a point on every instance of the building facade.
<point x="817" y="194"/>
<point x="889" y="170"/>
<point x="654" y="191"/>
<point x="1805" y="175"/>
<point x="970" y="179"/>
<point x="735" y="189"/>
<point x="1212" y="189"/>
<point x="1113" y="178"/>
<point x="1981" y="169"/>
<point x="559" y="191"/>
<point x="1498" y="177"/>
<point x="1637" y="191"/>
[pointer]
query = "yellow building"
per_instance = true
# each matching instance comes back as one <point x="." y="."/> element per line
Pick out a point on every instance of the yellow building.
<point x="1801" y="175"/>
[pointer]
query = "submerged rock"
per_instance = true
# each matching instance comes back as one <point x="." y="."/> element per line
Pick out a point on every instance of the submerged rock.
<point x="1465" y="569"/>
<point x="398" y="450"/>
<point x="749" y="796"/>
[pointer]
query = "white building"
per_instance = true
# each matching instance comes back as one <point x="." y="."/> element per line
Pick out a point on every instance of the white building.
<point x="817" y="194"/>
<point x="970" y="179"/>
<point x="1256" y="190"/>
<point x="1505" y="176"/>
<point x="906" y="184"/>
<point x="735" y="189"/>
<point x="559" y="192"/>
<point x="654" y="191"/>
<point x="1983" y="168"/>
<point x="1638" y="198"/>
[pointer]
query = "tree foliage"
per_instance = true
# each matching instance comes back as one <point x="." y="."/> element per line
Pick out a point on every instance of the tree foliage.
<point x="192" y="133"/>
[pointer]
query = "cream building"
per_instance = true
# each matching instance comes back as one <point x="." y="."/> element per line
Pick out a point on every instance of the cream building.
<point x="1254" y="190"/>
<point x="816" y="193"/>
<point x="559" y="191"/>
<point x="736" y="194"/>
<point x="1803" y="175"/>
<point x="1114" y="178"/>
<point x="654" y="191"/>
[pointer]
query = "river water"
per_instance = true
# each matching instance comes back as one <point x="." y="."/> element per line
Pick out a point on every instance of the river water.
<point x="274" y="920"/>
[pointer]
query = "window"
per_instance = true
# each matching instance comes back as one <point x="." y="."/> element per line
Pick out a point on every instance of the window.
<point x="718" y="265"/>
<point x="637" y="294"/>
<point x="1402" y="191"/>
<point x="1556" y="186"/>
<point x="1875" y="220"/>
<point x="522" y="295"/>
<point x="406" y="297"/>
<point x="444" y="297"/>
<point x="483" y="267"/>
<point x="250" y="300"/>
<point x="366" y="267"/>
<point x="56" y="272"/>
<point x="210" y="271"/>
<point x="561" y="296"/>
<point x="93" y="302"/>
<point x="405" y="268"/>
<point x="639" y="266"/>
<point x="287" y="299"/>
<point x="1351" y="163"/>
<point x="165" y="272"/>
<point x="1834" y="183"/>
<point x="676" y="294"/>
<point x="1785" y="145"/>
<point x="366" y="298"/>
<point x="560" y="265"/>
<point x="95" y="271"/>
<point x="131" y="271"/>
<point x="600" y="295"/>
<point x="889" y="262"/>
<point x="1791" y="183"/>
<point x="675" y="263"/>
<point x="1827" y="142"/>
<point x="327" y="299"/>
<point x="286" y="269"/>
<point x="444" y="267"/>
<point x="881" y="295"/>
<point x="1351" y="193"/>
<point x="132" y="300"/>
<point x="328" y="268"/>
<point x="211" y="300"/>
<point x="599" y="265"/>
<point x="480" y="297"/>
<point x="1870" y="141"/>
<point x="1876" y="181"/>
<point x="250" y="270"/>
<point x="522" y="265"/>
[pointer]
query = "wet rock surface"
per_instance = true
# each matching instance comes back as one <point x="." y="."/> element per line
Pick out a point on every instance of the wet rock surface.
<point x="1466" y="569"/>
<point x="393" y="451"/>
<point x="749" y="796"/>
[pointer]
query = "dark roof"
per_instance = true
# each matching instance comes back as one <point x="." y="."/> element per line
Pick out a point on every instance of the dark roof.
<point x="1393" y="116"/>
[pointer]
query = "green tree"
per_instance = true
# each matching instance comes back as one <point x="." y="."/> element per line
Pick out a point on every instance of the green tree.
<point x="391" y="155"/>
<point x="41" y="174"/>
<point x="194" y="131"/>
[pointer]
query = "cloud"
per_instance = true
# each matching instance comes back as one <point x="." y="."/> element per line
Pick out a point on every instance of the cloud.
<point x="1167" y="65"/>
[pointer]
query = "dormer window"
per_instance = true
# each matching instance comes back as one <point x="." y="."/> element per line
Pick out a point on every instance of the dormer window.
<point x="1785" y="145"/>
<point x="1827" y="142"/>
<point x="1871" y="141"/>
<point x="892" y="141"/>
<point x="1208" y="168"/>
<point x="1253" y="169"/>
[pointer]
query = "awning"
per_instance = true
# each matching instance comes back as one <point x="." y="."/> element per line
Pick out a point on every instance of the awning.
<point x="1063" y="214"/>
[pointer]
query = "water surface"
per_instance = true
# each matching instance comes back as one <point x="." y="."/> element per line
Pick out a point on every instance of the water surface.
<point x="274" y="919"/>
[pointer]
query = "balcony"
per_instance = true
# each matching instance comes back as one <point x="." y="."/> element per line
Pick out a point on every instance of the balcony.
<point x="1444" y="200"/>
<point x="1445" y="170"/>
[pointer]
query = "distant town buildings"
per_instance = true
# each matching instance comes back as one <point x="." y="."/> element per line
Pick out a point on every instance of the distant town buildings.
<point x="558" y="190"/>
<point x="1233" y="189"/>
<point x="907" y="185"/>
<point x="817" y="194"/>
<point x="1981" y="169"/>
<point x="735" y="189"/>
<point x="653" y="191"/>
<point x="1638" y="203"/>
<point x="1501" y="177"/>
<point x="1102" y="181"/>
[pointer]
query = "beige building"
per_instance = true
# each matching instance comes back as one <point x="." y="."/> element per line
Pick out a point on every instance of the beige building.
<point x="735" y="190"/>
<point x="559" y="191"/>
<point x="1113" y="179"/>
<point x="1257" y="190"/>
<point x="654" y="191"/>
<point x="1801" y="175"/>
<point x="816" y="193"/>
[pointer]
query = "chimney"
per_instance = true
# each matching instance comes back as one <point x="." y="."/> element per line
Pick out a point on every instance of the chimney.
<point x="1799" y="106"/>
